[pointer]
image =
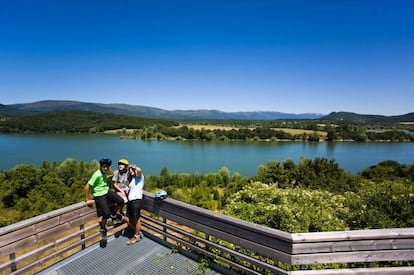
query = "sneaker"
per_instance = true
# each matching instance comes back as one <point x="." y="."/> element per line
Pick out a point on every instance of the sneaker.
<point x="119" y="218"/>
<point x="141" y="235"/>
<point x="134" y="239"/>
<point x="103" y="241"/>
<point x="103" y="233"/>
<point x="116" y="218"/>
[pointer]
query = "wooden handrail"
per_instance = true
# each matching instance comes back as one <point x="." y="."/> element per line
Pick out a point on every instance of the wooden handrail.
<point x="236" y="244"/>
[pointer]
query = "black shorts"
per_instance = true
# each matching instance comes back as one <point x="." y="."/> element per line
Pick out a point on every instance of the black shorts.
<point x="106" y="204"/>
<point x="134" y="210"/>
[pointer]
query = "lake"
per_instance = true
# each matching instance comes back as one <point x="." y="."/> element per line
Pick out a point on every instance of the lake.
<point x="193" y="156"/>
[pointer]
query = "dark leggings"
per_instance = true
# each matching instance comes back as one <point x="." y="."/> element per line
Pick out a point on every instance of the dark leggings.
<point x="106" y="203"/>
<point x="134" y="210"/>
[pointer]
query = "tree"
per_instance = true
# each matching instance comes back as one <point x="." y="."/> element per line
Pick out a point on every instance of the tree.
<point x="224" y="172"/>
<point x="17" y="183"/>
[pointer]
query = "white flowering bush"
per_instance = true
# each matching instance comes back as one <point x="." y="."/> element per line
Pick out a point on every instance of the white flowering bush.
<point x="292" y="210"/>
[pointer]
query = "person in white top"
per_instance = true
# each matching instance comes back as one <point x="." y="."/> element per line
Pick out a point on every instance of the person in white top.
<point x="134" y="205"/>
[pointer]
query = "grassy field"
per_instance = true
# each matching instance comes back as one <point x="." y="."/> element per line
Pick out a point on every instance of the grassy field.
<point x="120" y="131"/>
<point x="322" y="134"/>
<point x="227" y="128"/>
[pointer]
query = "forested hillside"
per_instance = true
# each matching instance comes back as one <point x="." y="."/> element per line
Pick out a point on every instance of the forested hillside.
<point x="347" y="117"/>
<point x="77" y="122"/>
<point x="247" y="130"/>
<point x="143" y="111"/>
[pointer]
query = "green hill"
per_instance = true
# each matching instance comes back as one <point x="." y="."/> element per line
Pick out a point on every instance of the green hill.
<point x="347" y="117"/>
<point x="77" y="122"/>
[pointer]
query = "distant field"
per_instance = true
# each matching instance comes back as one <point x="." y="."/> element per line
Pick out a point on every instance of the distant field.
<point x="301" y="131"/>
<point x="209" y="127"/>
<point x="322" y="134"/>
<point x="227" y="128"/>
<point x="117" y="131"/>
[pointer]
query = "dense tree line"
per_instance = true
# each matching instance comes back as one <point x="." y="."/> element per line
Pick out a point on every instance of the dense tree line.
<point x="345" y="132"/>
<point x="146" y="128"/>
<point x="312" y="195"/>
<point x="364" y="133"/>
<point x="258" y="133"/>
<point x="76" y="122"/>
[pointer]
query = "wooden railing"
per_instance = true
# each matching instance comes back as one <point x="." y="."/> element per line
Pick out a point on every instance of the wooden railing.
<point x="32" y="245"/>
<point x="233" y="244"/>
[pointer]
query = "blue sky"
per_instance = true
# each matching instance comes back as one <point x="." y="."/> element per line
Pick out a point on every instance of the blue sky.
<point x="308" y="56"/>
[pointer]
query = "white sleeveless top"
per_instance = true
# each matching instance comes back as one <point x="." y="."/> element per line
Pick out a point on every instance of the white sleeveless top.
<point x="136" y="187"/>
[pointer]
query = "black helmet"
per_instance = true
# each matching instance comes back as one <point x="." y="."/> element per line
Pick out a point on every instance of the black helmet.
<point x="107" y="161"/>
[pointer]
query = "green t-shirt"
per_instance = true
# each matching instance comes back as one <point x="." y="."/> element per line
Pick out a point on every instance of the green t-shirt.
<point x="98" y="183"/>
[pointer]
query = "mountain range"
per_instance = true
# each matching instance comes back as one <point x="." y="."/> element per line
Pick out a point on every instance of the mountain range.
<point x="142" y="111"/>
<point x="27" y="109"/>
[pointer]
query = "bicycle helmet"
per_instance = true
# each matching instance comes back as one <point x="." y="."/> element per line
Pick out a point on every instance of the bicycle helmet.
<point x="123" y="161"/>
<point x="161" y="195"/>
<point x="107" y="161"/>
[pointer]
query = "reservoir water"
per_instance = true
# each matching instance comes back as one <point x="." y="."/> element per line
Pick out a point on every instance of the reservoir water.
<point x="193" y="156"/>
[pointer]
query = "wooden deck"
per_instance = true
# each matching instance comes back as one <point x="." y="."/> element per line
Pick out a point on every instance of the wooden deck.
<point x="145" y="257"/>
<point x="210" y="239"/>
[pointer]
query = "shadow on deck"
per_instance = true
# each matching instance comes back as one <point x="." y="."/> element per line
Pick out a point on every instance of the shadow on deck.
<point x="145" y="257"/>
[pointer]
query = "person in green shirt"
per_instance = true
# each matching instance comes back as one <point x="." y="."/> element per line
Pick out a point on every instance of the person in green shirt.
<point x="98" y="187"/>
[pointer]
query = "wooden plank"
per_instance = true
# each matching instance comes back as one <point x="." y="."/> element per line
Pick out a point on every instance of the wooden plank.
<point x="27" y="223"/>
<point x="53" y="244"/>
<point x="55" y="231"/>
<point x="224" y="249"/>
<point x="53" y="255"/>
<point x="21" y="230"/>
<point x="17" y="246"/>
<point x="35" y="238"/>
<point x="245" y="243"/>
<point x="25" y="237"/>
<point x="170" y="205"/>
<point x="275" y="246"/>
<point x="16" y="235"/>
<point x="207" y="222"/>
<point x="372" y="234"/>
<point x="223" y="218"/>
<point x="201" y="218"/>
<point x="405" y="270"/>
<point x="77" y="214"/>
<point x="84" y="219"/>
<point x="354" y="245"/>
<point x="354" y="257"/>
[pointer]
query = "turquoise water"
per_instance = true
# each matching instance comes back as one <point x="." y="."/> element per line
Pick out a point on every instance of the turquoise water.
<point x="193" y="157"/>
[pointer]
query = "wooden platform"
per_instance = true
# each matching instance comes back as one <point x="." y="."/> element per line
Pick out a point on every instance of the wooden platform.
<point x="143" y="257"/>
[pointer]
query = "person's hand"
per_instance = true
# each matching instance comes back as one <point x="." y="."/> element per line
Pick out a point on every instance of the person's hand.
<point x="90" y="203"/>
